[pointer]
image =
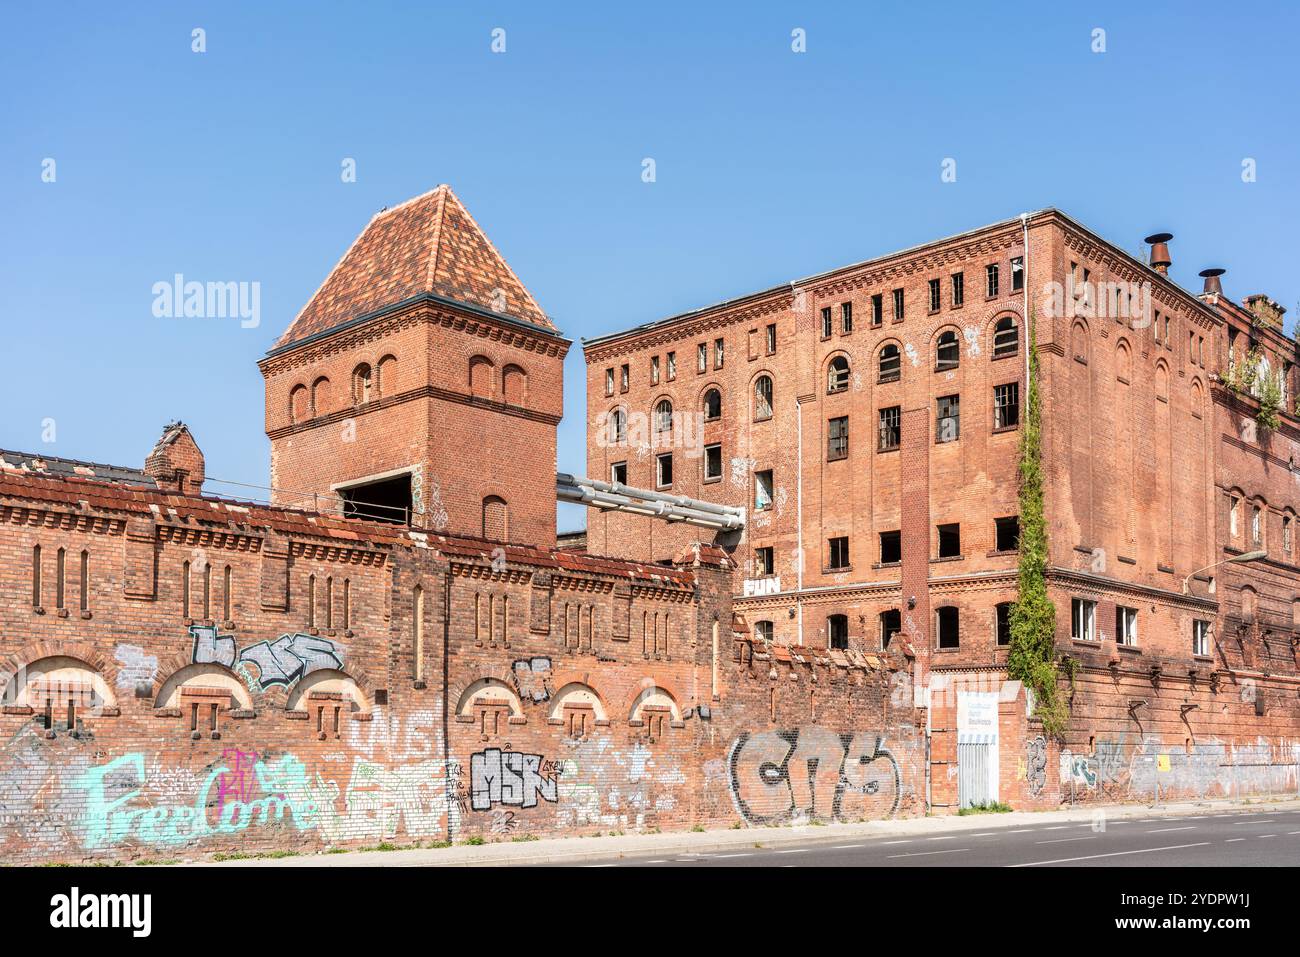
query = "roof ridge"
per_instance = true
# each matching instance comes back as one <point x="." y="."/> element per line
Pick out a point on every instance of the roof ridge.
<point x="435" y="230"/>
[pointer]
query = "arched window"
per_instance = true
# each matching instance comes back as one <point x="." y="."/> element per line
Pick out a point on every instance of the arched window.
<point x="763" y="631"/>
<point x="361" y="383"/>
<point x="480" y="377"/>
<point x="763" y="397"/>
<point x="320" y="396"/>
<point x="386" y="376"/>
<point x="495" y="519"/>
<point x="514" y="383"/>
<point x="299" y="408"/>
<point x="948" y="350"/>
<point x="891" y="363"/>
<point x="1123" y="361"/>
<point x="617" y="426"/>
<point x="664" y="416"/>
<point x="1006" y="337"/>
<point x="837" y="631"/>
<point x="713" y="404"/>
<point x="837" y="375"/>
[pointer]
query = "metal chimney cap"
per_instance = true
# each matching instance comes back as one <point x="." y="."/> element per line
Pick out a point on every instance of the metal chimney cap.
<point x="1158" y="238"/>
<point x="1211" y="273"/>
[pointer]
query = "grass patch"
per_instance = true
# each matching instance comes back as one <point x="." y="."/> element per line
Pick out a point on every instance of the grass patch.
<point x="988" y="807"/>
<point x="523" y="838"/>
<point x="475" y="841"/>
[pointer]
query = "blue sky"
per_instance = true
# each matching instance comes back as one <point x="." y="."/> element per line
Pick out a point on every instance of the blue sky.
<point x="770" y="165"/>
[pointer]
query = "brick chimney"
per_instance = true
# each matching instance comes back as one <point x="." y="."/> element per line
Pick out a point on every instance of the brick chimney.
<point x="1265" y="310"/>
<point x="176" y="462"/>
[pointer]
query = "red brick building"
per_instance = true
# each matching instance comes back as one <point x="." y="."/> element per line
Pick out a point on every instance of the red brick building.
<point x="868" y="420"/>
<point x="394" y="651"/>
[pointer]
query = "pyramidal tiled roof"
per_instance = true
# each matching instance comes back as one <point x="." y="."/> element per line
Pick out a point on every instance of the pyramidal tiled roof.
<point x="429" y="244"/>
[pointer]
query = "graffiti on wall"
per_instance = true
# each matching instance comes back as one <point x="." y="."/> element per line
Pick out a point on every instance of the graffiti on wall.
<point x="135" y="668"/>
<point x="511" y="778"/>
<point x="280" y="662"/>
<point x="1132" y="766"/>
<point x="813" y="773"/>
<point x="1036" y="764"/>
<point x="532" y="677"/>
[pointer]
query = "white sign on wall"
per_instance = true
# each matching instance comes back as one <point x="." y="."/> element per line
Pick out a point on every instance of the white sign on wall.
<point x="762" y="586"/>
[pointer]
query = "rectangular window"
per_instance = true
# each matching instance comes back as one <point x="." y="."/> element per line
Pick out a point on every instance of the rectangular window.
<point x="654" y="370"/>
<point x="935" y="295"/>
<point x="1007" y="533"/>
<point x="623" y="378"/>
<point x="837" y="627"/>
<point x="764" y="561"/>
<point x="890" y="624"/>
<point x="1017" y="273"/>
<point x="672" y="366"/>
<point x="846" y="317"/>
<point x="946" y="624"/>
<point x="839" y="552"/>
<point x="618" y="473"/>
<point x="664" y="470"/>
<point x="948" y="419"/>
<point x="877" y="309"/>
<point x="771" y="339"/>
<point x="85" y="581"/>
<point x="898" y="305"/>
<point x="826" y="322"/>
<point x="1006" y="405"/>
<point x="1201" y="638"/>
<point x="702" y="357"/>
<point x="958" y="288"/>
<point x="763" y="631"/>
<point x="609" y="381"/>
<point x="891" y="548"/>
<point x="950" y="541"/>
<point x="763" y="490"/>
<point x="1126" y="625"/>
<point x="837" y="438"/>
<point x="712" y="463"/>
<point x="718" y="353"/>
<point x="1002" y="623"/>
<point x="1083" y="619"/>
<point x="991" y="279"/>
<point x="891" y="429"/>
<point x="36" y="576"/>
<point x="1234" y="509"/>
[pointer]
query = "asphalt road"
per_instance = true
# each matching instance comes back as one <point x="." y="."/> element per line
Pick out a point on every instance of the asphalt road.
<point x="1252" y="838"/>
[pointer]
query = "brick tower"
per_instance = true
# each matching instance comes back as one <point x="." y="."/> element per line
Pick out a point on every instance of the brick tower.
<point x="422" y="383"/>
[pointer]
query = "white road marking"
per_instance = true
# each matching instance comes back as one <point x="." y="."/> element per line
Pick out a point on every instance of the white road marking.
<point x="845" y="847"/>
<point x="1023" y="830"/>
<point x="945" y="837"/>
<point x="954" y="850"/>
<point x="600" y="865"/>
<point x="896" y="842"/>
<point x="793" y="850"/>
<point x="984" y="834"/>
<point x="1233" y="840"/>
<point x="1058" y="827"/>
<point x="1162" y="830"/>
<point x="1268" y="835"/>
<point x="1090" y="857"/>
<point x="1063" y="840"/>
<point x="746" y="854"/>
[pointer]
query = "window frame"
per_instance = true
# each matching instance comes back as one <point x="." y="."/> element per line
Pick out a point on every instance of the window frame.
<point x="837" y="438"/>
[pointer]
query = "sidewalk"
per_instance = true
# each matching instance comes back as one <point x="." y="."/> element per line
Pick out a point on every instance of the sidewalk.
<point x="573" y="849"/>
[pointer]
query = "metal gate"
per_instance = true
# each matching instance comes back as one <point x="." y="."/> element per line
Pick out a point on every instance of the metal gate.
<point x="977" y="772"/>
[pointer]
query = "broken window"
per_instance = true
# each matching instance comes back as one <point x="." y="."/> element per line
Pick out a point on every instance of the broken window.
<point x="890" y="625"/>
<point x="948" y="352"/>
<point x="846" y="317"/>
<point x="712" y="463"/>
<point x="618" y="473"/>
<point x="617" y="426"/>
<point x="702" y="357"/>
<point x="950" y="541"/>
<point x="877" y="309"/>
<point x="837" y="375"/>
<point x="837" y="438"/>
<point x="826" y="322"/>
<point x="764" y="561"/>
<point x="672" y="366"/>
<point x="1017" y="273"/>
<point x="991" y="279"/>
<point x="664" y="416"/>
<point x="609" y="381"/>
<point x="1007" y="533"/>
<point x="624" y="375"/>
<point x="763" y="490"/>
<point x="891" y="363"/>
<point x="891" y="431"/>
<point x="712" y="405"/>
<point x="664" y="470"/>
<point x="1002" y="623"/>
<point x="891" y="548"/>
<point x="935" y="295"/>
<point x="763" y="397"/>
<point x="1006" y="405"/>
<point x="948" y="418"/>
<point x="771" y="338"/>
<point x="946" y="625"/>
<point x="654" y="370"/>
<point x="763" y="631"/>
<point x="839" y="552"/>
<point x="1083" y="619"/>
<point x="837" y="630"/>
<point x="898" y="305"/>
<point x="1006" y="337"/>
<point x="718" y="354"/>
<point x="958" y="288"/>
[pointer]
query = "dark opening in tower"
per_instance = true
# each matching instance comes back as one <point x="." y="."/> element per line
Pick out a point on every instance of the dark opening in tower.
<point x="388" y="500"/>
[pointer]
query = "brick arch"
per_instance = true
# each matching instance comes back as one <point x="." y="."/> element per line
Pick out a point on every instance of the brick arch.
<point x="516" y="700"/>
<point x="267" y="697"/>
<point x="826" y="368"/>
<point x="649" y="681"/>
<point x="563" y="678"/>
<point x="991" y="327"/>
<point x="79" y="650"/>
<point x="455" y="692"/>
